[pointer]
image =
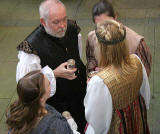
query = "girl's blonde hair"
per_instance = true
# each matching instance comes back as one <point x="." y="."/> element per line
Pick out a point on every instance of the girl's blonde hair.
<point x="112" y="44"/>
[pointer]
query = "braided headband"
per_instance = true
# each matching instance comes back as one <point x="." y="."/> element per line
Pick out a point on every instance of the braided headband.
<point x="111" y="42"/>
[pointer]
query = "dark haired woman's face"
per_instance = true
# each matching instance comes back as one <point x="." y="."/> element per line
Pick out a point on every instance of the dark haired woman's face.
<point x="102" y="18"/>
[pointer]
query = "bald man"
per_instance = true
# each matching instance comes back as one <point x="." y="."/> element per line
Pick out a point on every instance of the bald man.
<point x="52" y="43"/>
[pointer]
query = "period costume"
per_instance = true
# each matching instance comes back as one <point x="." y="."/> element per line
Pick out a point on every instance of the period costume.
<point x="52" y="123"/>
<point x="135" y="43"/>
<point x="117" y="101"/>
<point x="45" y="49"/>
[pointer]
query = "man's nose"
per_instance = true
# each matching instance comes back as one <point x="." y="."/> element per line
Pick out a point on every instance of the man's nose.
<point x="62" y="24"/>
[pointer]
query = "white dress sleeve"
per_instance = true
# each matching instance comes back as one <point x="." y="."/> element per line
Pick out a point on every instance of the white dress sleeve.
<point x="48" y="72"/>
<point x="80" y="44"/>
<point x="98" y="107"/>
<point x="27" y="63"/>
<point x="30" y="62"/>
<point x="145" y="88"/>
<point x="75" y="132"/>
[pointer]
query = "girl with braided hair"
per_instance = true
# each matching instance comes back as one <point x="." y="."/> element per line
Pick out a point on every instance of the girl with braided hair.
<point x="118" y="96"/>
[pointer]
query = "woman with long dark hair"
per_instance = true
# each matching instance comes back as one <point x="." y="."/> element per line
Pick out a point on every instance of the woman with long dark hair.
<point x="119" y="94"/>
<point x="30" y="114"/>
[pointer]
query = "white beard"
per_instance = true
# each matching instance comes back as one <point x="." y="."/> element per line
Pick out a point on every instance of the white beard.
<point x="54" y="34"/>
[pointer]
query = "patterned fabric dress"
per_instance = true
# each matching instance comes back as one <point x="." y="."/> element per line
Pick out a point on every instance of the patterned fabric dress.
<point x="129" y="109"/>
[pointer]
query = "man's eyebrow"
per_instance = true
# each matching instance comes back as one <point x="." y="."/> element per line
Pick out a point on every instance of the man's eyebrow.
<point x="59" y="19"/>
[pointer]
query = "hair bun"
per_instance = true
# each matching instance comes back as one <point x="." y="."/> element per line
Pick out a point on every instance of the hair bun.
<point x="104" y="32"/>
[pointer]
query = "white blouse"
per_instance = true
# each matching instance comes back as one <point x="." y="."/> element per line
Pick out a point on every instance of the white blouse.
<point x="98" y="104"/>
<point x="31" y="62"/>
<point x="48" y="72"/>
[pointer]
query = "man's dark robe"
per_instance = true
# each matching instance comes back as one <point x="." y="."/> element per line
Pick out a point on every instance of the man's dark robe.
<point x="53" y="51"/>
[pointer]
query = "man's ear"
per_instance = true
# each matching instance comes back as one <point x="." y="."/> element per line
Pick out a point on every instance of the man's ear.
<point x="42" y="21"/>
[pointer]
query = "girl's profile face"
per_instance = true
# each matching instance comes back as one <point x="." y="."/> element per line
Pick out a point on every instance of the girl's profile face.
<point x="47" y="89"/>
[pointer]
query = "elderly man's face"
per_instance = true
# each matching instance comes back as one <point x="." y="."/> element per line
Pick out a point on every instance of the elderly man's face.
<point x="56" y="24"/>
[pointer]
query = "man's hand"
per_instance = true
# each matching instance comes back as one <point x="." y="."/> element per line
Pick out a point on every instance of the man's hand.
<point x="62" y="72"/>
